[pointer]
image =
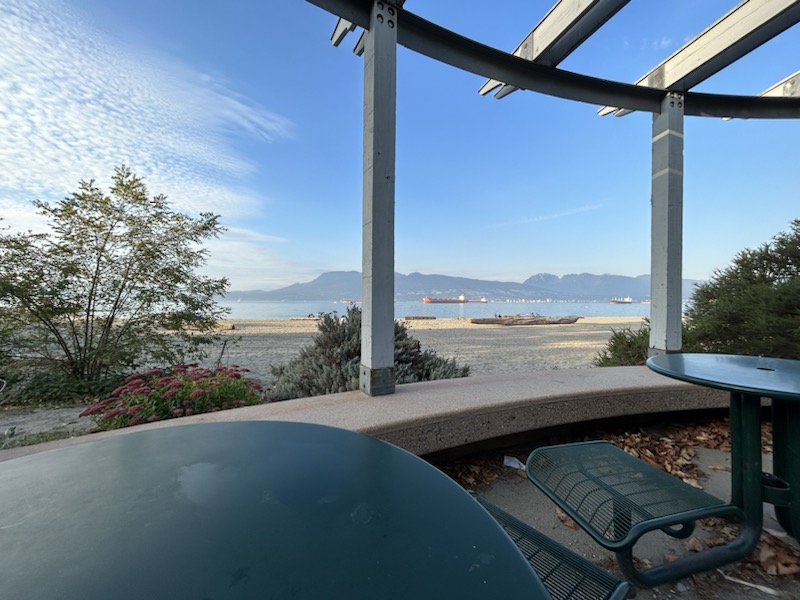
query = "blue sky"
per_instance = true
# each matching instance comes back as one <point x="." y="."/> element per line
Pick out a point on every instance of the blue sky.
<point x="243" y="108"/>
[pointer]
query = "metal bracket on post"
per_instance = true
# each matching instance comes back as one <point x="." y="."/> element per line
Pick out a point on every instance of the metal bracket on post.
<point x="666" y="244"/>
<point x="377" y="382"/>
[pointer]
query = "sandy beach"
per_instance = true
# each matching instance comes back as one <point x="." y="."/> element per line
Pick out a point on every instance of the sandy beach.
<point x="487" y="349"/>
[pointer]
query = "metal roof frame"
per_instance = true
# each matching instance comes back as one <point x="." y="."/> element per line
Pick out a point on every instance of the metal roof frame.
<point x="439" y="43"/>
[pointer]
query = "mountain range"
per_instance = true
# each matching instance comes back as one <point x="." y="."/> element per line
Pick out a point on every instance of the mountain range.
<point x="583" y="287"/>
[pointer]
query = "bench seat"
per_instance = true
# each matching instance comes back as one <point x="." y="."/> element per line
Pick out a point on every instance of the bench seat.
<point x="565" y="575"/>
<point x="616" y="498"/>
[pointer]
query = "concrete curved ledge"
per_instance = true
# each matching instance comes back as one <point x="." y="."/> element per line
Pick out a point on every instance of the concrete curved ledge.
<point x="439" y="415"/>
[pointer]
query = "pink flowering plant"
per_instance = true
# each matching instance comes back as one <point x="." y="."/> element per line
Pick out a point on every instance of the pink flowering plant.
<point x="179" y="391"/>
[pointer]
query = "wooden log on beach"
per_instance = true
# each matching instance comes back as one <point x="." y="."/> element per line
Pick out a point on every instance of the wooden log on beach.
<point x="518" y="320"/>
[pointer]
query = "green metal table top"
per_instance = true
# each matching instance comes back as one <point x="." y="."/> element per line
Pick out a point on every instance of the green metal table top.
<point x="247" y="510"/>
<point x="753" y="375"/>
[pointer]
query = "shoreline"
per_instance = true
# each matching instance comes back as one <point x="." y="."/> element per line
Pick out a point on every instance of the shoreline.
<point x="298" y="324"/>
<point x="259" y="344"/>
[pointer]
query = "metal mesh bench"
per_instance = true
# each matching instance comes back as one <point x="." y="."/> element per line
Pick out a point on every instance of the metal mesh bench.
<point x="565" y="575"/>
<point x="616" y="498"/>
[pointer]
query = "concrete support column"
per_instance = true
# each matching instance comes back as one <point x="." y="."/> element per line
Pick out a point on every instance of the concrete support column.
<point x="377" y="374"/>
<point x="666" y="245"/>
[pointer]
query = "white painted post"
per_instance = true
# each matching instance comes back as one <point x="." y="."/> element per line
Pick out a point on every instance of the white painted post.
<point x="666" y="244"/>
<point x="377" y="374"/>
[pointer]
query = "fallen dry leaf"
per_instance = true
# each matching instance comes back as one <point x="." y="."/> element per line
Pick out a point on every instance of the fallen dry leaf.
<point x="473" y="472"/>
<point x="565" y="519"/>
<point x="694" y="544"/>
<point x="670" y="557"/>
<point x="776" y="557"/>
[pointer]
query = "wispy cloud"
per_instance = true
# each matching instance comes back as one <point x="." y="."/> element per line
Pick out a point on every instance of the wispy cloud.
<point x="73" y="105"/>
<point x="549" y="217"/>
<point x="662" y="43"/>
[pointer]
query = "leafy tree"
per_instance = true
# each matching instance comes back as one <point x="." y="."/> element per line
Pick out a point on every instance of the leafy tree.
<point x="110" y="287"/>
<point x="752" y="306"/>
<point x="331" y="364"/>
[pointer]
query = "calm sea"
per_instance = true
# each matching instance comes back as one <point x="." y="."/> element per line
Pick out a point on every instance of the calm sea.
<point x="289" y="310"/>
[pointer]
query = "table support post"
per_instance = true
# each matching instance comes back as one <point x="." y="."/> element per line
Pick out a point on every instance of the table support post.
<point x="745" y="423"/>
<point x="785" y="465"/>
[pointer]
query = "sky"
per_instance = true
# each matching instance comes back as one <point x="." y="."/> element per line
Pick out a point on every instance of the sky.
<point x="244" y="109"/>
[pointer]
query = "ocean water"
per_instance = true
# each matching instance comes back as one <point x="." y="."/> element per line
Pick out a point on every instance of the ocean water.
<point x="289" y="310"/>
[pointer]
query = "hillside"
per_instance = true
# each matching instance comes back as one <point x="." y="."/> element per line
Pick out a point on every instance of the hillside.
<point x="336" y="285"/>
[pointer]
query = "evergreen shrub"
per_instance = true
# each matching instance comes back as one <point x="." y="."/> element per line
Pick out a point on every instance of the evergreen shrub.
<point x="752" y="306"/>
<point x="626" y="347"/>
<point x="331" y="364"/>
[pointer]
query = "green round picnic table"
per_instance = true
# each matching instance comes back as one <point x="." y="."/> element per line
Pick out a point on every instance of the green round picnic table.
<point x="750" y="380"/>
<point x="257" y="509"/>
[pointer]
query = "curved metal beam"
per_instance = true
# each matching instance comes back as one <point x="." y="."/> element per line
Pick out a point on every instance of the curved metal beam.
<point x="566" y="26"/>
<point x="448" y="47"/>
<point x="456" y="50"/>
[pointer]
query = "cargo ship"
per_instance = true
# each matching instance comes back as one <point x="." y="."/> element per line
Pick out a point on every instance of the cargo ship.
<point x="462" y="299"/>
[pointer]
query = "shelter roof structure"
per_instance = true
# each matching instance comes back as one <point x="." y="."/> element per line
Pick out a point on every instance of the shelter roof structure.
<point x="533" y="64"/>
<point x="666" y="91"/>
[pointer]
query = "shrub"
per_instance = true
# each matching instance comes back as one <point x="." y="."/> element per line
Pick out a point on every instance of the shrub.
<point x="180" y="391"/>
<point x="331" y="364"/>
<point x="32" y="385"/>
<point x="626" y="347"/>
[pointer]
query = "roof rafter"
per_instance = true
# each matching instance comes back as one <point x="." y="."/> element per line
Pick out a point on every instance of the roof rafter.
<point x="343" y="27"/>
<point x="565" y="27"/>
<point x="743" y="29"/>
<point x="789" y="87"/>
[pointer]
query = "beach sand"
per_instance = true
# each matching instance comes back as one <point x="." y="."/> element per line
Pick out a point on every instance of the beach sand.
<point x="487" y="349"/>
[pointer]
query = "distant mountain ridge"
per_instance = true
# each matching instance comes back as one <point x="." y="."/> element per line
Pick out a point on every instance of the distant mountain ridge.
<point x="338" y="285"/>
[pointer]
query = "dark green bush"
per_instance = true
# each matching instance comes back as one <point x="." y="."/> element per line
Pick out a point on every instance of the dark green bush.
<point x="626" y="347"/>
<point x="753" y="306"/>
<point x="331" y="364"/>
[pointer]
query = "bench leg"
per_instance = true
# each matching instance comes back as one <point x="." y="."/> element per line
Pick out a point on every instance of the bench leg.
<point x="680" y="531"/>
<point x="691" y="563"/>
